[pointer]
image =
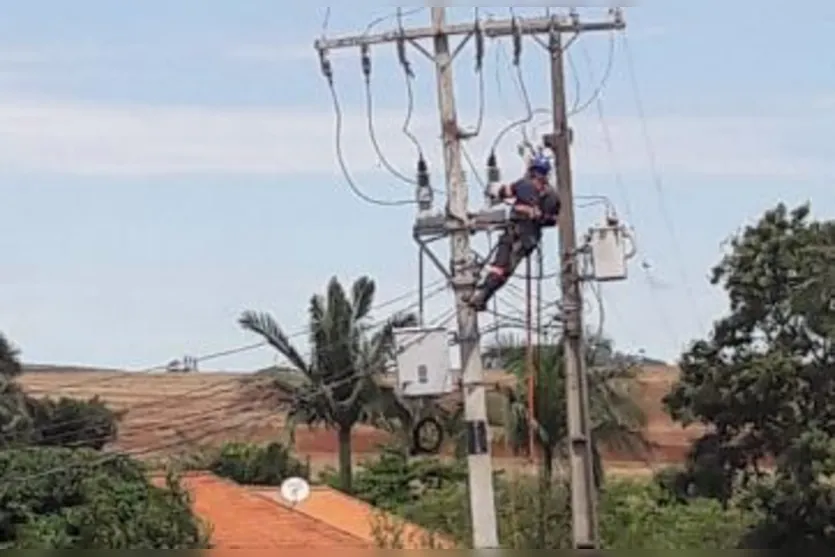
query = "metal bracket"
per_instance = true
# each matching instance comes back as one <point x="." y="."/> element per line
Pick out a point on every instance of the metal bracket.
<point x="430" y="228"/>
<point x="441" y="225"/>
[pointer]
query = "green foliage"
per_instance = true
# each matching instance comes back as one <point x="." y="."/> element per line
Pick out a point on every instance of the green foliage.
<point x="10" y="366"/>
<point x="25" y="420"/>
<point x="16" y="424"/>
<point x="616" y="418"/>
<point x="58" y="498"/>
<point x="68" y="422"/>
<point x="392" y="479"/>
<point x="251" y="464"/>
<point x="336" y="387"/>
<point x="634" y="515"/>
<point x="763" y="381"/>
<point x="798" y="503"/>
<point x="639" y="515"/>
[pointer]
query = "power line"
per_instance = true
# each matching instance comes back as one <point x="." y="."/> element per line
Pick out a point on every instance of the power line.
<point x="478" y="35"/>
<point x="399" y="14"/>
<point x="523" y="90"/>
<point x="337" y="109"/>
<point x="129" y="454"/>
<point x="249" y="346"/>
<point x="598" y="90"/>
<point x="408" y="75"/>
<point x="666" y="322"/>
<point x="656" y="179"/>
<point x="172" y="398"/>
<point x="369" y="112"/>
<point x="199" y="416"/>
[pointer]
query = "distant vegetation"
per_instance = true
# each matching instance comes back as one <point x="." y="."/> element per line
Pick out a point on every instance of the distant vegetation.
<point x="57" y="491"/>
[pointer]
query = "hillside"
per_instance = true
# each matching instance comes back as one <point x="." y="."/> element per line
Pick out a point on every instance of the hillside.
<point x="172" y="412"/>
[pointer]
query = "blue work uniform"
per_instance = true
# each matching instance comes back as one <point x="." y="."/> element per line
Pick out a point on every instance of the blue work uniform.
<point x="521" y="238"/>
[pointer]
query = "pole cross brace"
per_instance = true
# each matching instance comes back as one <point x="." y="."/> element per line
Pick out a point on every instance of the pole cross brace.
<point x="481" y="221"/>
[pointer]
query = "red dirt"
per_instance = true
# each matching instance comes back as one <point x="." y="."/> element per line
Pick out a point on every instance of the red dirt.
<point x="171" y="413"/>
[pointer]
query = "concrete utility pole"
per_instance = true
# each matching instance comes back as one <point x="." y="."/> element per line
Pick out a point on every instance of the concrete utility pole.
<point x="482" y="498"/>
<point x="459" y="223"/>
<point x="583" y="489"/>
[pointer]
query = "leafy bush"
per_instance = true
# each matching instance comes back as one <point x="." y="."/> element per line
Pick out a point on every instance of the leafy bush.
<point x="67" y="422"/>
<point x="393" y="479"/>
<point x="252" y="464"/>
<point x="59" y="498"/>
<point x="634" y="514"/>
<point x="640" y="515"/>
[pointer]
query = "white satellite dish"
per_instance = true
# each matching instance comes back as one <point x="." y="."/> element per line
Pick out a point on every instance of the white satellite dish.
<point x="295" y="490"/>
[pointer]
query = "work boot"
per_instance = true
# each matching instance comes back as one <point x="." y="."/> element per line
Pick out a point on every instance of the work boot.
<point x="478" y="300"/>
<point x="484" y="292"/>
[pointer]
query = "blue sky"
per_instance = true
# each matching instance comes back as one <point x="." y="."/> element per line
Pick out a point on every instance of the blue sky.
<point x="166" y="165"/>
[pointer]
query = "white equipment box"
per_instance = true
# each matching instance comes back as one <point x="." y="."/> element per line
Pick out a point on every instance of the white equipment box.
<point x="423" y="362"/>
<point x="611" y="246"/>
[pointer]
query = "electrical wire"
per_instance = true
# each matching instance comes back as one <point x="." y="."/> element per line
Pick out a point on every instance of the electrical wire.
<point x="128" y="454"/>
<point x="199" y="415"/>
<point x="520" y="80"/>
<point x="607" y="72"/>
<point x="369" y="111"/>
<point x="399" y="14"/>
<point x="326" y="21"/>
<point x="666" y="322"/>
<point x="657" y="181"/>
<point x="337" y="109"/>
<point x="479" y="69"/>
<point x="167" y="400"/>
<point x="250" y="346"/>
<point x="410" y="110"/>
<point x="523" y="90"/>
<point x="327" y="71"/>
<point x="408" y="76"/>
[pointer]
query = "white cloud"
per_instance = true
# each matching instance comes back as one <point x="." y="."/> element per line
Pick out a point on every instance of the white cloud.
<point x="89" y="139"/>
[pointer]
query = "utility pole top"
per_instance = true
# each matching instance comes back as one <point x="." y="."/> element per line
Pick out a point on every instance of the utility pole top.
<point x="490" y="28"/>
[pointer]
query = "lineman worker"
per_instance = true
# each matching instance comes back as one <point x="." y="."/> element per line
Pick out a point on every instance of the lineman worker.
<point x="535" y="206"/>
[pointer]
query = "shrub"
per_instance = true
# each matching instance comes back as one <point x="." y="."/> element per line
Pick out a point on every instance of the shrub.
<point x="392" y="479"/>
<point x="252" y="464"/>
<point x="639" y="515"/>
<point x="59" y="498"/>
<point x="67" y="422"/>
<point x="634" y="514"/>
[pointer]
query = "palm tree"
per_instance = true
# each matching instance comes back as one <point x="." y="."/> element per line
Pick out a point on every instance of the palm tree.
<point x="616" y="418"/>
<point x="336" y="386"/>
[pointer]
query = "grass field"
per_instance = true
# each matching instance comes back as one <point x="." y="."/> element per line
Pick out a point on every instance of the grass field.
<point x="171" y="413"/>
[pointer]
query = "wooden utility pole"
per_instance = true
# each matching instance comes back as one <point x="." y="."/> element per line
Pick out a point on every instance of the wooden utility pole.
<point x="583" y="489"/>
<point x="459" y="223"/>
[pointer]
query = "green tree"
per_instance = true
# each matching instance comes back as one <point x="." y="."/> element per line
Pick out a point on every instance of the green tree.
<point x="58" y="498"/>
<point x="337" y="386"/>
<point x="764" y="380"/>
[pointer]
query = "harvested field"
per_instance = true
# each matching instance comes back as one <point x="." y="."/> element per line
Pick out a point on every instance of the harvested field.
<point x="170" y="413"/>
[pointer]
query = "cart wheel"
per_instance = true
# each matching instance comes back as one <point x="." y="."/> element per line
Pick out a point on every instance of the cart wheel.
<point x="427" y="436"/>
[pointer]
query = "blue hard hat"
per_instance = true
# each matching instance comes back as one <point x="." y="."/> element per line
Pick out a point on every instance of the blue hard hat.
<point x="540" y="164"/>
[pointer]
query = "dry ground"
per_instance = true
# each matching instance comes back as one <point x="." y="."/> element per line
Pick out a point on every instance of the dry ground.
<point x="169" y="413"/>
